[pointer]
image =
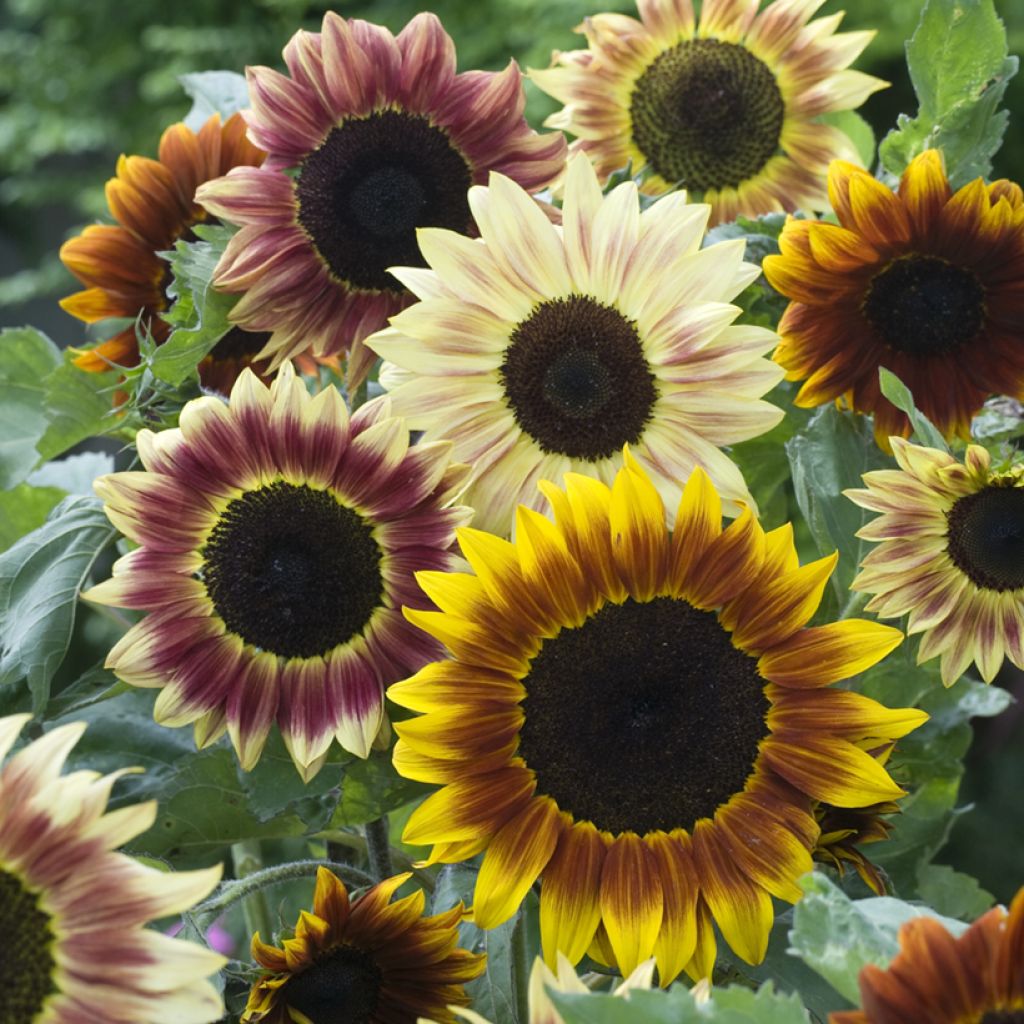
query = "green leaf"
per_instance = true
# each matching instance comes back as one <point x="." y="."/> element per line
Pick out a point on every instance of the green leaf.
<point x="26" y="358"/>
<point x="952" y="893"/>
<point x="859" y="132"/>
<point x="960" y="69"/>
<point x="371" y="788"/>
<point x="1000" y="419"/>
<point x="95" y="685"/>
<point x="23" y="509"/>
<point x="899" y="394"/>
<point x="214" y="92"/>
<point x="40" y="577"/>
<point x="78" y="405"/>
<point x="837" y="936"/>
<point x="200" y="314"/>
<point x="74" y="474"/>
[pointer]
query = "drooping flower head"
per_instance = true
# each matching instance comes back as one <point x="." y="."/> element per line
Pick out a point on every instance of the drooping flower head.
<point x="153" y="204"/>
<point x="367" y="962"/>
<point x="74" y="913"/>
<point x="726" y="105"/>
<point x="278" y="540"/>
<point x="977" y="978"/>
<point x="642" y="719"/>
<point x="925" y="282"/>
<point x="951" y="555"/>
<point x="384" y="138"/>
<point x="541" y="349"/>
<point x="845" y="830"/>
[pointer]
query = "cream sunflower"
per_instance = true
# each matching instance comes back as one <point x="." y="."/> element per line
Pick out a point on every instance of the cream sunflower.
<point x="74" y="913"/>
<point x="727" y="105"/>
<point x="641" y="719"/>
<point x="951" y="555"/>
<point x="278" y="539"/>
<point x="541" y="349"/>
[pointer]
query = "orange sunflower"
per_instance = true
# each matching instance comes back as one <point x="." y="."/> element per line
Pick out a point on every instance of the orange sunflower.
<point x="977" y="978"/>
<point x="925" y="282"/>
<point x="642" y="719"/>
<point x="153" y="204"/>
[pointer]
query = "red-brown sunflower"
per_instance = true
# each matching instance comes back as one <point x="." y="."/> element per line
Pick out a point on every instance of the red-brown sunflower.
<point x="365" y="962"/>
<point x="935" y="978"/>
<point x="379" y="137"/>
<point x="924" y="281"/>
<point x="153" y="204"/>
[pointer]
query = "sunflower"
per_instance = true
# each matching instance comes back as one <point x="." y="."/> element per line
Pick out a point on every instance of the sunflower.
<point x="924" y="282"/>
<point x="278" y="541"/>
<point x="977" y="978"/>
<point x="951" y="555"/>
<point x="542" y="349"/>
<point x="380" y="136"/>
<point x="152" y="202"/>
<point x="844" y="830"/>
<point x="727" y="106"/>
<point x="368" y="962"/>
<point x="74" y="913"/>
<point x="641" y="718"/>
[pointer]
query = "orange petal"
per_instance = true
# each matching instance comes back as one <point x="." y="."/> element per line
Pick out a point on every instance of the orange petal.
<point x="632" y="902"/>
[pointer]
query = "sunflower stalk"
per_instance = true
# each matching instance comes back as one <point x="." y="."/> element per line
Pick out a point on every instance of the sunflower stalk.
<point x="378" y="848"/>
<point x="247" y="859"/>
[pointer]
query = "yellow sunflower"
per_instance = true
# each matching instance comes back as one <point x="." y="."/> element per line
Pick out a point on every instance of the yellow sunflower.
<point x="977" y="978"/>
<point x="369" y="961"/>
<point x="74" y="914"/>
<point x="925" y="282"/>
<point x="640" y="718"/>
<point x="541" y="349"/>
<point x="727" y="105"/>
<point x="951" y="555"/>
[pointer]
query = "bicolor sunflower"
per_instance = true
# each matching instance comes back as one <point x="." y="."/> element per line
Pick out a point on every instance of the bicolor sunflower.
<point x="541" y="349"/>
<point x="977" y="978"/>
<point x="925" y="282"/>
<point x="370" y="961"/>
<point x="379" y="136"/>
<point x="642" y="719"/>
<point x="74" y="913"/>
<point x="727" y="105"/>
<point x="278" y="540"/>
<point x="951" y="555"/>
<point x="153" y="204"/>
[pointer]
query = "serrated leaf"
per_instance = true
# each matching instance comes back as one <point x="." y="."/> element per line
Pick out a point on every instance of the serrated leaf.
<point x="952" y="893"/>
<point x="959" y="67"/>
<point x="371" y="788"/>
<point x="214" y="92"/>
<point x="23" y="509"/>
<point x="27" y="357"/>
<point x="40" y="577"/>
<point x="199" y="316"/>
<point x="78" y="405"/>
<point x="898" y="393"/>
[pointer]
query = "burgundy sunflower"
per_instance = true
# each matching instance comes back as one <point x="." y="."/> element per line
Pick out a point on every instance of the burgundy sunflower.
<point x="925" y="282"/>
<point x="278" y="540"/>
<point x="369" y="961"/>
<point x="153" y="204"/>
<point x="977" y="978"/>
<point x="379" y="137"/>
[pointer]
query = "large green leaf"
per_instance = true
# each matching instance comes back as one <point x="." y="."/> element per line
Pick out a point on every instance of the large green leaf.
<point x="960" y="69"/>
<point x="27" y="357"/>
<point x="23" y="509"/>
<point x="40" y="578"/>
<point x="78" y="405"/>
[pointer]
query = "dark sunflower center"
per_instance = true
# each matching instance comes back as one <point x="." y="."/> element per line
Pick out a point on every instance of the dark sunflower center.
<point x="707" y="114"/>
<point x="340" y="988"/>
<point x="26" y="964"/>
<point x="239" y="344"/>
<point x="924" y="306"/>
<point x="292" y="571"/>
<point x="577" y="380"/>
<point x="645" y="717"/>
<point x="986" y="537"/>
<point x="372" y="182"/>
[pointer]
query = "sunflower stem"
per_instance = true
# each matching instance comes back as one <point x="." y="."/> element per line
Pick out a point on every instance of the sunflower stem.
<point x="854" y="604"/>
<point x="378" y="848"/>
<point x="521" y="966"/>
<point x="357" y="396"/>
<point x="248" y="862"/>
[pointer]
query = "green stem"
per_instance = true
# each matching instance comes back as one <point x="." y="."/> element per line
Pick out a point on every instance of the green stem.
<point x="378" y="848"/>
<point x="357" y="397"/>
<point x="521" y="967"/>
<point x="248" y="863"/>
<point x="854" y="605"/>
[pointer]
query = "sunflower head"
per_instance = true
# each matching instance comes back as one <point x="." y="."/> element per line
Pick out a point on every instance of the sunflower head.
<point x="642" y="718"/>
<point x="74" y="913"/>
<point x="727" y="105"/>
<point x="365" y="961"/>
<point x="278" y="537"/>
<point x="925" y="282"/>
<point x="844" y="830"/>
<point x="950" y="555"/>
<point x="974" y="979"/>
